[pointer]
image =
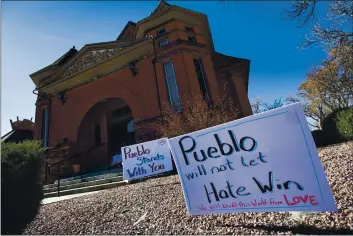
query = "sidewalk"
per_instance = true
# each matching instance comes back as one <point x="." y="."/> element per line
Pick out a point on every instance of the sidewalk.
<point x="61" y="198"/>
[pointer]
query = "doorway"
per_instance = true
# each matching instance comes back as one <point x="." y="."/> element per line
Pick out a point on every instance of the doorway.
<point x="119" y="134"/>
<point x="103" y="131"/>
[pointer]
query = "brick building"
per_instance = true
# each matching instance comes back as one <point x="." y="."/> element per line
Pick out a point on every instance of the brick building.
<point x="91" y="100"/>
<point x="21" y="130"/>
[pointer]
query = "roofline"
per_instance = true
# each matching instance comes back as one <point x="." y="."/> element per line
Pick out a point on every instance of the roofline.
<point x="172" y="7"/>
<point x="53" y="65"/>
<point x="7" y="134"/>
<point x="148" y="18"/>
<point x="125" y="28"/>
<point x="238" y="58"/>
<point x="133" y="43"/>
<point x="108" y="42"/>
<point x="43" y="69"/>
<point x="58" y="61"/>
<point x="243" y="61"/>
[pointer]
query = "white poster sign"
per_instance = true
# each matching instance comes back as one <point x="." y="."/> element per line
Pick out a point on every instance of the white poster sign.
<point x="145" y="159"/>
<point x="262" y="163"/>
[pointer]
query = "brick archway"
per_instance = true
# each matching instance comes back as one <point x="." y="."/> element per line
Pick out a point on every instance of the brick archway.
<point x="102" y="132"/>
<point x="79" y="105"/>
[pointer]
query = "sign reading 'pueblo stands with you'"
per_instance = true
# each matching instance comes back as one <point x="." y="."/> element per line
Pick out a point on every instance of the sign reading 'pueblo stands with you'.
<point x="265" y="162"/>
<point x="145" y="159"/>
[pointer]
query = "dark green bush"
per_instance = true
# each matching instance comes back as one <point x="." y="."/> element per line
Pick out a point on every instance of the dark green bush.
<point x="344" y="123"/>
<point x="338" y="126"/>
<point x="21" y="187"/>
<point x="318" y="137"/>
<point x="330" y="133"/>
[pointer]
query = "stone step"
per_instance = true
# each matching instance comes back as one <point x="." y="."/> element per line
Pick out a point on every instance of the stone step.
<point x="86" y="189"/>
<point x="84" y="179"/>
<point x="101" y="174"/>
<point x="82" y="184"/>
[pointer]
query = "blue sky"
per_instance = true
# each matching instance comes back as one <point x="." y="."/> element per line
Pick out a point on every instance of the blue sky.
<point x="35" y="34"/>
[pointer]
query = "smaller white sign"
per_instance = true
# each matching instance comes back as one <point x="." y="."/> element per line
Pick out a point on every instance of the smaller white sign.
<point x="145" y="159"/>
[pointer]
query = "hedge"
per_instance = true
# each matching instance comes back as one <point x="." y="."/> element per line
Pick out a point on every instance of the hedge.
<point x="337" y="127"/>
<point x="21" y="187"/>
<point x="344" y="123"/>
<point x="318" y="137"/>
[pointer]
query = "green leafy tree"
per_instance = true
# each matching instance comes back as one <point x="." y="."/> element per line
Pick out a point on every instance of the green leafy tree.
<point x="327" y="88"/>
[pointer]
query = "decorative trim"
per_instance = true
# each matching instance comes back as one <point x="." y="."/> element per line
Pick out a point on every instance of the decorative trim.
<point x="90" y="58"/>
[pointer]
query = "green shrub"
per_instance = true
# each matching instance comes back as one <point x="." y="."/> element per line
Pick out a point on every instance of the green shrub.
<point x="21" y="187"/>
<point x="329" y="130"/>
<point x="318" y="137"/>
<point x="344" y="123"/>
<point x="338" y="126"/>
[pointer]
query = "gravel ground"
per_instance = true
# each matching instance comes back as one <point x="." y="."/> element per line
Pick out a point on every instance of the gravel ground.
<point x="157" y="206"/>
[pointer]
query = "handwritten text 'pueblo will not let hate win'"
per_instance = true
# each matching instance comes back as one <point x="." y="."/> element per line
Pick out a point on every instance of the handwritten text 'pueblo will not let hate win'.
<point x="248" y="144"/>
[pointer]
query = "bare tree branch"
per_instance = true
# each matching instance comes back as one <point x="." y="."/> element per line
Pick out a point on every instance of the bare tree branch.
<point x="304" y="10"/>
<point x="314" y="126"/>
<point x="338" y="13"/>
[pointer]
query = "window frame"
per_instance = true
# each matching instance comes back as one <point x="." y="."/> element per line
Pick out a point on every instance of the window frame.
<point x="205" y="82"/>
<point x="175" y="81"/>
<point x="159" y="32"/>
<point x="189" y="29"/>
<point x="162" y="40"/>
<point x="194" y="39"/>
<point x="45" y="126"/>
